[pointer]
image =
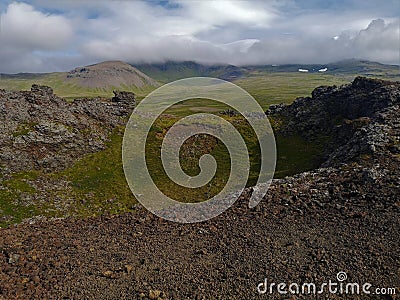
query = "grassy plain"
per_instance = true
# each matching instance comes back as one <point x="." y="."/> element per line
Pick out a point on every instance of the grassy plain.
<point x="62" y="88"/>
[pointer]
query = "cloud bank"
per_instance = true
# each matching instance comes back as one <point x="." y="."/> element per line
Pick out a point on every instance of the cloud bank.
<point x="43" y="35"/>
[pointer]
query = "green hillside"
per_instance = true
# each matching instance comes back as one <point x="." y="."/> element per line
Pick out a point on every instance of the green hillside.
<point x="170" y="71"/>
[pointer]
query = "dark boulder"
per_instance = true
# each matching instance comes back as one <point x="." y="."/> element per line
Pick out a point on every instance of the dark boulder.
<point x="42" y="90"/>
<point x="124" y="97"/>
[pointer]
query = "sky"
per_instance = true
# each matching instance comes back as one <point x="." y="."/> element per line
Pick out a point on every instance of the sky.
<point x="49" y="35"/>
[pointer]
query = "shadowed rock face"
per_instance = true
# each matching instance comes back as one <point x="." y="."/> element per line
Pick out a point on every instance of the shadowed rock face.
<point x="359" y="118"/>
<point x="42" y="131"/>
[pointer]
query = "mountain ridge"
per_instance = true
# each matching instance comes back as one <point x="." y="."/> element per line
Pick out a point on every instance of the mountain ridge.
<point x="102" y="78"/>
<point x="173" y="70"/>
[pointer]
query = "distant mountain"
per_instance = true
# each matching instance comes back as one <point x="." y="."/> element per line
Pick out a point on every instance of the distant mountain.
<point x="23" y="76"/>
<point x="171" y="70"/>
<point x="348" y="66"/>
<point x="89" y="81"/>
<point x="102" y="78"/>
<point x="364" y="67"/>
<point x="109" y="74"/>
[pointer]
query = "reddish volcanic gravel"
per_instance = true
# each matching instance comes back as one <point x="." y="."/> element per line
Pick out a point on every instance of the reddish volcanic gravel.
<point x="307" y="229"/>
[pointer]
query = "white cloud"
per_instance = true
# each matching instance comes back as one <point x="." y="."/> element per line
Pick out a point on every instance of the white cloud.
<point x="25" y="30"/>
<point x="220" y="13"/>
<point x="137" y="31"/>
<point x="23" y="26"/>
<point x="378" y="42"/>
<point x="237" y="32"/>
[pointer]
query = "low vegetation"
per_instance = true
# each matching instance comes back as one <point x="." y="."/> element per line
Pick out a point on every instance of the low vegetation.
<point x="285" y="87"/>
<point x="98" y="184"/>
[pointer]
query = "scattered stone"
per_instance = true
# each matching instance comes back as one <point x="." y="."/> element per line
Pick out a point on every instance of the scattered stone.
<point x="275" y="108"/>
<point x="154" y="294"/>
<point x="128" y="269"/>
<point x="229" y="112"/>
<point x="108" y="274"/>
<point x="14" y="257"/>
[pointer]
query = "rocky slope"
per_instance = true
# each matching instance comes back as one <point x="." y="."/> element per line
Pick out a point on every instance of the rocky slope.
<point x="42" y="131"/>
<point x="43" y="136"/>
<point x="343" y="217"/>
<point x="359" y="119"/>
